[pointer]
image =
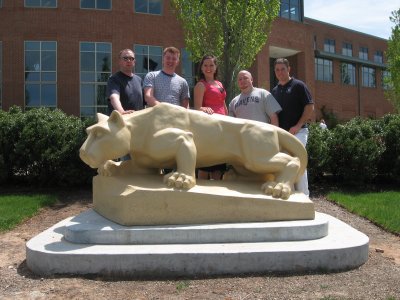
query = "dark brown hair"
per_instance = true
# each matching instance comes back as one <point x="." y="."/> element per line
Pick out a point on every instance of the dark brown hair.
<point x="214" y="59"/>
<point x="282" y="61"/>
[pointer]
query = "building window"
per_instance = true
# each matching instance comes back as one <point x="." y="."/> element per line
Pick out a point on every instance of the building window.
<point x="41" y="3"/>
<point x="385" y="78"/>
<point x="188" y="68"/>
<point x="348" y="73"/>
<point x="378" y="57"/>
<point x="329" y="46"/>
<point x="363" y="53"/>
<point x="290" y="9"/>
<point x="148" y="6"/>
<point x="40" y="74"/>
<point x="368" y="77"/>
<point x="323" y="70"/>
<point x="95" y="69"/>
<point x="1" y="3"/>
<point x="347" y="49"/>
<point x="96" y="4"/>
<point x="148" y="58"/>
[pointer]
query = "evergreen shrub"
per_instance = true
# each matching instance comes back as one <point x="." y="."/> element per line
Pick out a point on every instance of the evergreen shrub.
<point x="318" y="152"/>
<point x="11" y="125"/>
<point x="45" y="151"/>
<point x="355" y="150"/>
<point x="41" y="147"/>
<point x="389" y="164"/>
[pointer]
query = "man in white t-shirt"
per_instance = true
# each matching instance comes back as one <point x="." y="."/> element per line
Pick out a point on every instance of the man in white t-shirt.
<point x="254" y="103"/>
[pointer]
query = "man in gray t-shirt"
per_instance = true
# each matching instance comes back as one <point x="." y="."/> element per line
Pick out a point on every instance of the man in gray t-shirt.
<point x="254" y="103"/>
<point x="166" y="85"/>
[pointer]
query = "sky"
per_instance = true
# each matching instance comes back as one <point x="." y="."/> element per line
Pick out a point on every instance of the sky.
<point x="367" y="16"/>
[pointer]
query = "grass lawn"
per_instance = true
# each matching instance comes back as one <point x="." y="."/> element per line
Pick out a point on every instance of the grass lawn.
<point x="16" y="208"/>
<point x="382" y="208"/>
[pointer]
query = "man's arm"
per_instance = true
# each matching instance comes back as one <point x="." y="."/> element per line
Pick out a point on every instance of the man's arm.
<point x="113" y="94"/>
<point x="184" y="97"/>
<point x="185" y="103"/>
<point x="149" y="97"/>
<point x="274" y="119"/>
<point x="305" y="117"/>
<point x="272" y="108"/>
<point x="231" y="110"/>
<point x="116" y="104"/>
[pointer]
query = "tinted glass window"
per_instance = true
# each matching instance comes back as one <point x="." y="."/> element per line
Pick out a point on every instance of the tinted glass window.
<point x="95" y="69"/>
<point x="40" y="73"/>
<point x="348" y="73"/>
<point x="96" y="4"/>
<point x="290" y="9"/>
<point x="148" y="58"/>
<point x="148" y="6"/>
<point x="323" y="70"/>
<point x="41" y="3"/>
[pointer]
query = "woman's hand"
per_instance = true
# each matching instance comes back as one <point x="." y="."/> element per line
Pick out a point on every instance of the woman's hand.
<point x="207" y="110"/>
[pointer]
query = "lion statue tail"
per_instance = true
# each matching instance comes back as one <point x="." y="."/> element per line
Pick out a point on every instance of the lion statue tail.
<point x="292" y="145"/>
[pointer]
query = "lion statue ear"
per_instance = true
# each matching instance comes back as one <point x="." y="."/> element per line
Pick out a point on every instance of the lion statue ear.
<point x="101" y="117"/>
<point x="116" y="119"/>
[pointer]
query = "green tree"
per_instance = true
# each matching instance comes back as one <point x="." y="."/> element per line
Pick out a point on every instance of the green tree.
<point x="393" y="57"/>
<point x="233" y="30"/>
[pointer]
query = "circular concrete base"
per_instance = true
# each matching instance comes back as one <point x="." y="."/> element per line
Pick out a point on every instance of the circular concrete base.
<point x="342" y="248"/>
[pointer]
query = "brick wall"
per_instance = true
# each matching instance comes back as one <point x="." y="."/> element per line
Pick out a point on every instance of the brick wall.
<point x="69" y="25"/>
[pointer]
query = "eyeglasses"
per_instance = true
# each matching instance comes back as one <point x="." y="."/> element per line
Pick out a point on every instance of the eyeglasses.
<point x="128" y="58"/>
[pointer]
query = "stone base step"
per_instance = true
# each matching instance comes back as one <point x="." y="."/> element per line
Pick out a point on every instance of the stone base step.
<point x="91" y="228"/>
<point x="343" y="248"/>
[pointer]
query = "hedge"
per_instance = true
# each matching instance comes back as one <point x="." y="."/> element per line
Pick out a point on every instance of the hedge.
<point x="40" y="147"/>
<point x="359" y="151"/>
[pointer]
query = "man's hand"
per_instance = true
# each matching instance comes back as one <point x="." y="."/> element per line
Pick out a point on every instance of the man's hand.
<point x="125" y="112"/>
<point x="295" y="129"/>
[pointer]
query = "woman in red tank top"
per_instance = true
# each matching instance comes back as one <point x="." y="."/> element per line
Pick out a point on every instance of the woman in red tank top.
<point x="209" y="97"/>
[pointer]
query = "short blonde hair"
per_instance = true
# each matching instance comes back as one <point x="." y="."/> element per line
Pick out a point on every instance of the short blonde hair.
<point x="172" y="50"/>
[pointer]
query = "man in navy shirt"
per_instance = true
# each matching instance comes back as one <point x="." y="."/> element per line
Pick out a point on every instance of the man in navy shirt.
<point x="297" y="108"/>
<point x="124" y="88"/>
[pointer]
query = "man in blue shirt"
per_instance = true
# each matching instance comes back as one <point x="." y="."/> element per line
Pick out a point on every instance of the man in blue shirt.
<point x="297" y="108"/>
<point x="124" y="88"/>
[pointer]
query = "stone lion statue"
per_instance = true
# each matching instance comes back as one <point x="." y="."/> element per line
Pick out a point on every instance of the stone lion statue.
<point x="169" y="136"/>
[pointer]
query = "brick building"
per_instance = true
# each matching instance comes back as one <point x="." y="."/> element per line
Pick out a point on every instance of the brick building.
<point x="59" y="53"/>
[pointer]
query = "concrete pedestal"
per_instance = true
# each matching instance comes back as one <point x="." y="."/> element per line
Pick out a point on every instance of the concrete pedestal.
<point x="104" y="248"/>
<point x="145" y="200"/>
<point x="140" y="228"/>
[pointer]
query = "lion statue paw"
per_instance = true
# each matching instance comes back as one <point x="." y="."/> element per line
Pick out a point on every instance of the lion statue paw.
<point x="179" y="180"/>
<point x="276" y="190"/>
<point x="109" y="168"/>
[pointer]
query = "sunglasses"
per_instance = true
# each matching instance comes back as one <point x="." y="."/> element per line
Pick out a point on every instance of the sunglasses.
<point x="128" y="58"/>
